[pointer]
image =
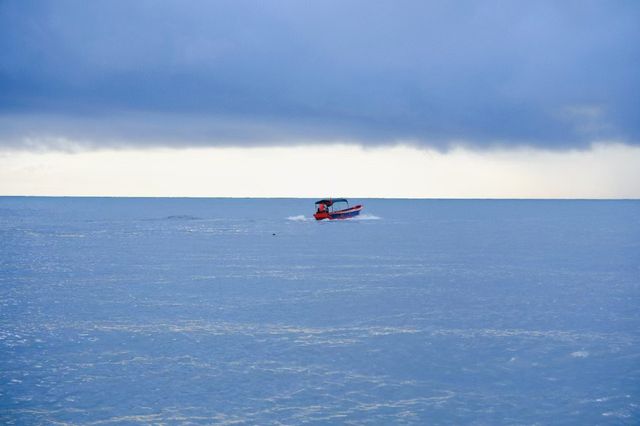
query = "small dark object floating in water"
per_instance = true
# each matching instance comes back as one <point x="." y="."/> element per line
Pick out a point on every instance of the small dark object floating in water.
<point x="336" y="209"/>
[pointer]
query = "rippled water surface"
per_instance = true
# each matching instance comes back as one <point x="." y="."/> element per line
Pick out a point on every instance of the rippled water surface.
<point x="201" y="311"/>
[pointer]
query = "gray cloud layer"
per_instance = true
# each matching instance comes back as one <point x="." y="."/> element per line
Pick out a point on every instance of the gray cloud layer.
<point x="546" y="74"/>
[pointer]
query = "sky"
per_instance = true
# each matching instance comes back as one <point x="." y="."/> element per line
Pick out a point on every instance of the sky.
<point x="397" y="99"/>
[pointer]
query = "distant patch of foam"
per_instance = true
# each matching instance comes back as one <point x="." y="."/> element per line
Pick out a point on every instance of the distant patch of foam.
<point x="618" y="414"/>
<point x="299" y="218"/>
<point x="580" y="354"/>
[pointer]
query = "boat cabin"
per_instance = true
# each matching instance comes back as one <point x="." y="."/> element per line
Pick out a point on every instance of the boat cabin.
<point x="331" y="204"/>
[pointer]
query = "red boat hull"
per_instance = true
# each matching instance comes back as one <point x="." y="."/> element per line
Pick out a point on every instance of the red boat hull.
<point x="339" y="214"/>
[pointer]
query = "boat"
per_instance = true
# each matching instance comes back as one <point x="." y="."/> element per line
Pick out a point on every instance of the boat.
<point x="335" y="208"/>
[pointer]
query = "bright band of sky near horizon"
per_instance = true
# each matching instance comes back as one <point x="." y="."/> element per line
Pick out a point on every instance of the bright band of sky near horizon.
<point x="605" y="171"/>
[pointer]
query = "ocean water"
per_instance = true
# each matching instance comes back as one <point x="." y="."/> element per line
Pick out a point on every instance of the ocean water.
<point x="220" y="311"/>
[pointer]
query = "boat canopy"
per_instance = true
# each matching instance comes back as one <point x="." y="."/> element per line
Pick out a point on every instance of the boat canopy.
<point x="329" y="202"/>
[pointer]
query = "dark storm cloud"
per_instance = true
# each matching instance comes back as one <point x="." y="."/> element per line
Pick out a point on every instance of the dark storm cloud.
<point x="547" y="74"/>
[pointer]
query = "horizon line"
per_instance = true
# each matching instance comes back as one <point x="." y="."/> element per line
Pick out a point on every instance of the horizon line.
<point x="320" y="197"/>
